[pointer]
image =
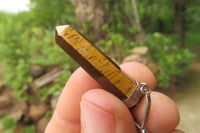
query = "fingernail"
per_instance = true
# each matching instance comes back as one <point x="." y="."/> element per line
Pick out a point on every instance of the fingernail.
<point x="95" y="119"/>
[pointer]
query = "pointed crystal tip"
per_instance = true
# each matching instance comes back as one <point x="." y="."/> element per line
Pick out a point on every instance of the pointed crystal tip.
<point x="60" y="28"/>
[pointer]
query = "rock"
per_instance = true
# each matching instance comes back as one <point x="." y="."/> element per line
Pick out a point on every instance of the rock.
<point x="140" y="50"/>
<point x="140" y="54"/>
<point x="18" y="110"/>
<point x="6" y="99"/>
<point x="37" y="111"/>
<point x="131" y="58"/>
<point x="41" y="125"/>
<point x="138" y="58"/>
<point x="36" y="71"/>
<point x="153" y="66"/>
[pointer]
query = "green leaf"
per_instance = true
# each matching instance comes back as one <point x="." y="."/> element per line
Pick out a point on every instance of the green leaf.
<point x="133" y="30"/>
<point x="29" y="129"/>
<point x="8" y="123"/>
<point x="104" y="27"/>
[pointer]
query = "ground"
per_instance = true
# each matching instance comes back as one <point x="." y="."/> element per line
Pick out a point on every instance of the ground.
<point x="187" y="98"/>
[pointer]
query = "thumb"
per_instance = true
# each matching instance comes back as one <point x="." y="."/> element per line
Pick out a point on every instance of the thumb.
<point x="102" y="112"/>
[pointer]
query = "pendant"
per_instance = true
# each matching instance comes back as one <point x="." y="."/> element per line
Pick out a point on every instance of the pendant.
<point x="107" y="73"/>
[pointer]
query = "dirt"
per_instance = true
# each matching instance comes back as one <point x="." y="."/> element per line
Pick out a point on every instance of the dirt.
<point x="187" y="99"/>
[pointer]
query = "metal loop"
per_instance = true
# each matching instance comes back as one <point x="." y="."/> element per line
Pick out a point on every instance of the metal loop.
<point x="145" y="90"/>
<point x="144" y="131"/>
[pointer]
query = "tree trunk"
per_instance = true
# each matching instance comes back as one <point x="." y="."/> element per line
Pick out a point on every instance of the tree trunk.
<point x="140" y="32"/>
<point x="92" y="11"/>
<point x="179" y="8"/>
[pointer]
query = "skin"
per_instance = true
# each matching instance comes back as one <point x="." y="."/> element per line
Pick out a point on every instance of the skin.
<point x="85" y="107"/>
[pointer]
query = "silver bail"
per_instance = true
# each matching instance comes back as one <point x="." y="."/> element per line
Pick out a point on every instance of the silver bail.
<point x="145" y="90"/>
<point x="135" y="96"/>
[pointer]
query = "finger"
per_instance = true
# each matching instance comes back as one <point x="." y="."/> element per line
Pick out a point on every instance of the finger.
<point x="66" y="117"/>
<point x="177" y="131"/>
<point x="139" y="72"/>
<point x="67" y="112"/>
<point x="102" y="112"/>
<point x="163" y="117"/>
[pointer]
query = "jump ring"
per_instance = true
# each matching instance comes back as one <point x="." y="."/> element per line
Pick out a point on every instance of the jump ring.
<point x="145" y="89"/>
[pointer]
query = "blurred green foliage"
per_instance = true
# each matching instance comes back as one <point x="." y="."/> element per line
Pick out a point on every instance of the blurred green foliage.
<point x="46" y="92"/>
<point x="44" y="52"/>
<point x="49" y="13"/>
<point x="192" y="38"/>
<point x="153" y="18"/>
<point x="29" y="129"/>
<point x="15" y="53"/>
<point x="21" y="47"/>
<point x="192" y="16"/>
<point x="27" y="38"/>
<point x="164" y="49"/>
<point x="48" y="113"/>
<point x="9" y="124"/>
<point x="115" y="41"/>
<point x="171" y="60"/>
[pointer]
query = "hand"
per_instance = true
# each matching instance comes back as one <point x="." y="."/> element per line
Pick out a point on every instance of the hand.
<point x="85" y="107"/>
